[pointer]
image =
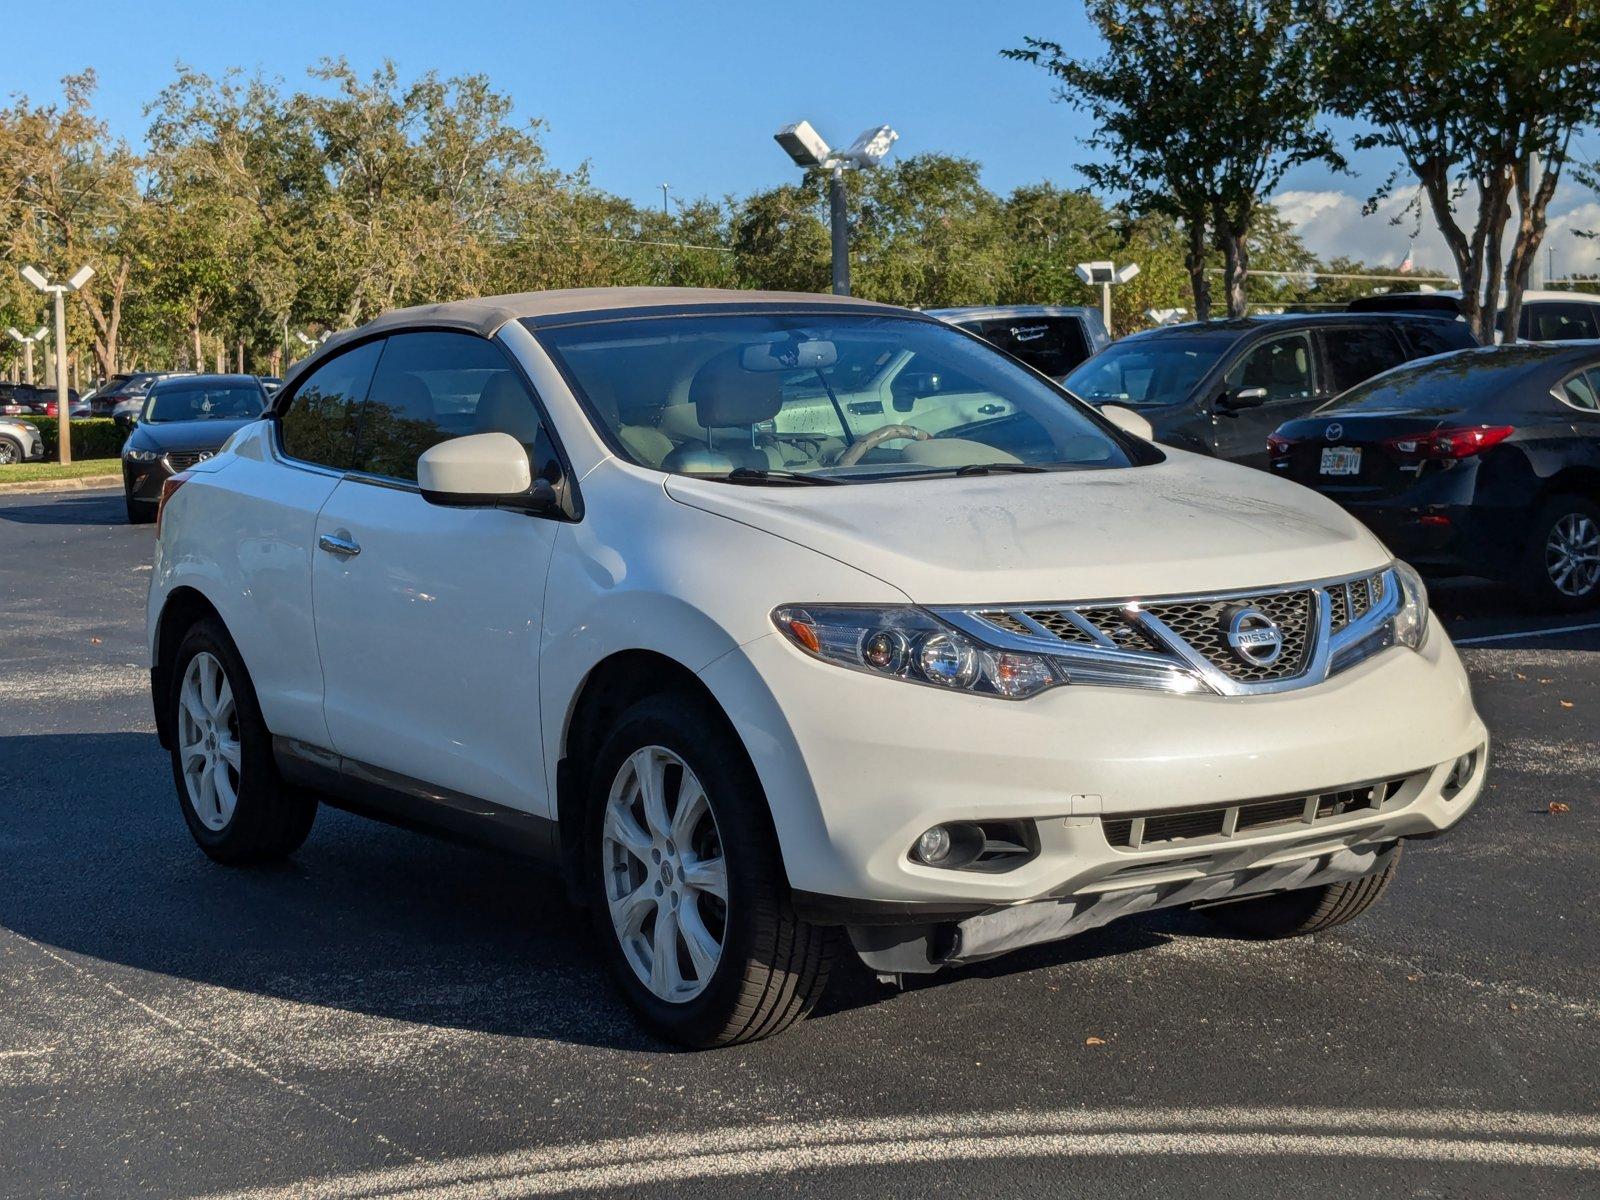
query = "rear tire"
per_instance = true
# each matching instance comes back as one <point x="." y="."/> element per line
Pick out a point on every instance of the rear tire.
<point x="233" y="800"/>
<point x="739" y="966"/>
<point x="1560" y="568"/>
<point x="1304" y="910"/>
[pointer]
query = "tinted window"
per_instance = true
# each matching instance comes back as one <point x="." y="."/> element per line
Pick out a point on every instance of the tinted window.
<point x="1149" y="370"/>
<point x="1580" y="391"/>
<point x="1357" y="353"/>
<point x="320" y="424"/>
<point x="1450" y="383"/>
<point x="1281" y="366"/>
<point x="715" y="395"/>
<point x="1050" y="345"/>
<point x="1437" y="337"/>
<point x="431" y="387"/>
<point x="1558" y="321"/>
<point x="182" y="400"/>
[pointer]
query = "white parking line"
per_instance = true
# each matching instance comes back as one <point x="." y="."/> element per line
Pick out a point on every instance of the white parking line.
<point x="1537" y="1140"/>
<point x="1526" y="633"/>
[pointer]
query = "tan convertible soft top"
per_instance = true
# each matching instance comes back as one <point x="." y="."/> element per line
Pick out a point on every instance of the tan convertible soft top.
<point x="485" y="315"/>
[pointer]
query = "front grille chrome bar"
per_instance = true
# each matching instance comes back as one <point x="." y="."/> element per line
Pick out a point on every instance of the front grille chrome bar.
<point x="1340" y="631"/>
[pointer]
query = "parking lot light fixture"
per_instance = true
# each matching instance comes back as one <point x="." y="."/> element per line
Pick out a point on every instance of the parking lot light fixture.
<point x="1107" y="274"/>
<point x="59" y="290"/>
<point x="807" y="148"/>
<point x="27" y="340"/>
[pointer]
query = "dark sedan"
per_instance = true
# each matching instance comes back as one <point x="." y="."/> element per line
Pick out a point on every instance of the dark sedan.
<point x="185" y="419"/>
<point x="1482" y="462"/>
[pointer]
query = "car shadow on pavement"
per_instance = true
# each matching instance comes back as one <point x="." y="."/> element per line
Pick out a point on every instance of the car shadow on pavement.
<point x="97" y="508"/>
<point x="95" y="862"/>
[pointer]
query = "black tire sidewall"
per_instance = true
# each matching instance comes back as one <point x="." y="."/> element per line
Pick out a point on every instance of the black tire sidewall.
<point x="1536" y="583"/>
<point x="257" y="774"/>
<point x="701" y="738"/>
<point x="10" y="443"/>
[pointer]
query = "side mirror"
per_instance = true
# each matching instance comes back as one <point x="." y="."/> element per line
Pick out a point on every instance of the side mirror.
<point x="1128" y="421"/>
<point x="1253" y="397"/>
<point x="482" y="470"/>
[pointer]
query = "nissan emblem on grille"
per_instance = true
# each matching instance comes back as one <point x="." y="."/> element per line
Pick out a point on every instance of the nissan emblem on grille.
<point x="1252" y="635"/>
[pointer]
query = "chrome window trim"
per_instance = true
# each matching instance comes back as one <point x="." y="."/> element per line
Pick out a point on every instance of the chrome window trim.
<point x="1181" y="668"/>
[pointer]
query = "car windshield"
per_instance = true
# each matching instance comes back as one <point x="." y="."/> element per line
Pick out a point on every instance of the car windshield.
<point x="1148" y="371"/>
<point x="838" y="397"/>
<point x="187" y="401"/>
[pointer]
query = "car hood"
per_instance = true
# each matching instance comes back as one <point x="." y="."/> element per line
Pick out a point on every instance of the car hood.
<point x="185" y="435"/>
<point x="1189" y="524"/>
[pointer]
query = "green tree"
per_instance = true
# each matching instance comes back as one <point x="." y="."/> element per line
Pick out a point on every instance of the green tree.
<point x="1200" y="107"/>
<point x="1470" y="94"/>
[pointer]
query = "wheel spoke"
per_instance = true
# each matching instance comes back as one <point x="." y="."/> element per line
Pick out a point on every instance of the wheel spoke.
<point x="224" y="708"/>
<point x="228" y="750"/>
<point x="703" y="948"/>
<point x="189" y="751"/>
<point x="196" y="710"/>
<point x="708" y="875"/>
<point x="222" y="784"/>
<point x="629" y="912"/>
<point x="621" y="828"/>
<point x="691" y="806"/>
<point x="650" y="769"/>
<point x="665" y="975"/>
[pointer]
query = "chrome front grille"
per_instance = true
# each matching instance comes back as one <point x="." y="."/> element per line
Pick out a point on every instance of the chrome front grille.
<point x="1234" y="643"/>
<point x="1156" y="830"/>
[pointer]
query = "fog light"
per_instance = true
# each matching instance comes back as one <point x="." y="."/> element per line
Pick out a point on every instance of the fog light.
<point x="933" y="847"/>
<point x="1460" y="775"/>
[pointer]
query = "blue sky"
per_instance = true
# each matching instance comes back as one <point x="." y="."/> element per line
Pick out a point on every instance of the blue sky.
<point x="688" y="94"/>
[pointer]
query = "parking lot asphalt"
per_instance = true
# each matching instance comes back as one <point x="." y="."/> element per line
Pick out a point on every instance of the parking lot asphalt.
<point x="389" y="1015"/>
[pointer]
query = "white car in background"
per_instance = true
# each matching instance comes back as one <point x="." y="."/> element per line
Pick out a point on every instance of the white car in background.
<point x="680" y="590"/>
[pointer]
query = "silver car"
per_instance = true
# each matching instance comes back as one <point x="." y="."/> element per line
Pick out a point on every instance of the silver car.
<point x="19" y="442"/>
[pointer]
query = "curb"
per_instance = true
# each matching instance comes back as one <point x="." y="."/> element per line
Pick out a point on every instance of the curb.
<point x="84" y="483"/>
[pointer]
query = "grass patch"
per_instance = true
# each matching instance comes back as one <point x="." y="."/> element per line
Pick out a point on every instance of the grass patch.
<point x="44" y="471"/>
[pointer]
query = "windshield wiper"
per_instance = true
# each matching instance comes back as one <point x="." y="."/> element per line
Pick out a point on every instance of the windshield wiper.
<point x="763" y="475"/>
<point x="998" y="469"/>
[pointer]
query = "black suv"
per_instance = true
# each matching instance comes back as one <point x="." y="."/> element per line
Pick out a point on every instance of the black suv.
<point x="1220" y="387"/>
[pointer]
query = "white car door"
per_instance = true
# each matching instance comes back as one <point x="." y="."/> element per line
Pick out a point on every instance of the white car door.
<point x="428" y="617"/>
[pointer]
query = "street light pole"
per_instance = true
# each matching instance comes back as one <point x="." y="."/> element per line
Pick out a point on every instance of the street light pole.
<point x="27" y="340"/>
<point x="59" y="290"/>
<point x="839" y="232"/>
<point x="807" y="148"/>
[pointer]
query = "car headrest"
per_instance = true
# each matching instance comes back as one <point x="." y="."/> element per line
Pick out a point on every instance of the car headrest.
<point x="406" y="396"/>
<point x="724" y="393"/>
<point x="504" y="407"/>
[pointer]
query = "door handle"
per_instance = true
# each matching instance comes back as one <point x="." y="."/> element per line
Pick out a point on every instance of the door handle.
<point x="342" y="546"/>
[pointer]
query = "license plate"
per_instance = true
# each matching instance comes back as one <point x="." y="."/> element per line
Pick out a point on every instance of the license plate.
<point x="1341" y="460"/>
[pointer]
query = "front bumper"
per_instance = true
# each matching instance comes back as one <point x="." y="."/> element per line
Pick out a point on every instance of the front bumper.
<point x="856" y="768"/>
<point x="142" y="480"/>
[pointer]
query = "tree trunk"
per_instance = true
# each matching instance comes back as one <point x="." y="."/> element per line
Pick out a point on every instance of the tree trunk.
<point x="1235" y="268"/>
<point x="194" y="338"/>
<point x="239" y="366"/>
<point x="1195" y="261"/>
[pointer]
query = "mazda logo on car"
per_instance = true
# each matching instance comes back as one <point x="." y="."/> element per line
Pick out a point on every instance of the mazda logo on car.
<point x="1334" y="432"/>
<point x="1255" y="638"/>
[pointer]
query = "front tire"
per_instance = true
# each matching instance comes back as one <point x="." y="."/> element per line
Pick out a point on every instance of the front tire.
<point x="10" y="451"/>
<point x="233" y="800"/>
<point x="139" y="512"/>
<point x="1560" y="570"/>
<point x="687" y="884"/>
<point x="1304" y="910"/>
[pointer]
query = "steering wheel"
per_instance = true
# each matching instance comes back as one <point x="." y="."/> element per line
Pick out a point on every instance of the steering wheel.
<point x="857" y="450"/>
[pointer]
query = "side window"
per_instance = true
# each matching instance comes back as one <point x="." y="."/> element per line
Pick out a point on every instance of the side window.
<point x="1581" y="391"/>
<point x="1358" y="352"/>
<point x="1282" y="366"/>
<point x="320" y="424"/>
<point x="1437" y="337"/>
<point x="431" y="387"/>
<point x="1559" y="321"/>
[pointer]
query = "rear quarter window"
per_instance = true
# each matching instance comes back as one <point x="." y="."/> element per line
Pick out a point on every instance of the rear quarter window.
<point x="1426" y="338"/>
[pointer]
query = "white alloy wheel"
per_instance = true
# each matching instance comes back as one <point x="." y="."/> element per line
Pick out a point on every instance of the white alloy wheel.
<point x="1572" y="555"/>
<point x="208" y="741"/>
<point x="665" y="880"/>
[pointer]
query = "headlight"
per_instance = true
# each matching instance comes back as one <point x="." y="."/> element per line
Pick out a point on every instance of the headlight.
<point x="915" y="646"/>
<point x="1411" y="622"/>
<point x="141" y="455"/>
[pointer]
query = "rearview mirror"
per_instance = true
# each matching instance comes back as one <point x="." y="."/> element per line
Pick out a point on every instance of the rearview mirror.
<point x="1253" y="397"/>
<point x="1128" y="421"/>
<point x="813" y="355"/>
<point x="482" y="470"/>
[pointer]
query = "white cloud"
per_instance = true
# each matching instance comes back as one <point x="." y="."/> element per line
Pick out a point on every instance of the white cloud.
<point x="1331" y="223"/>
